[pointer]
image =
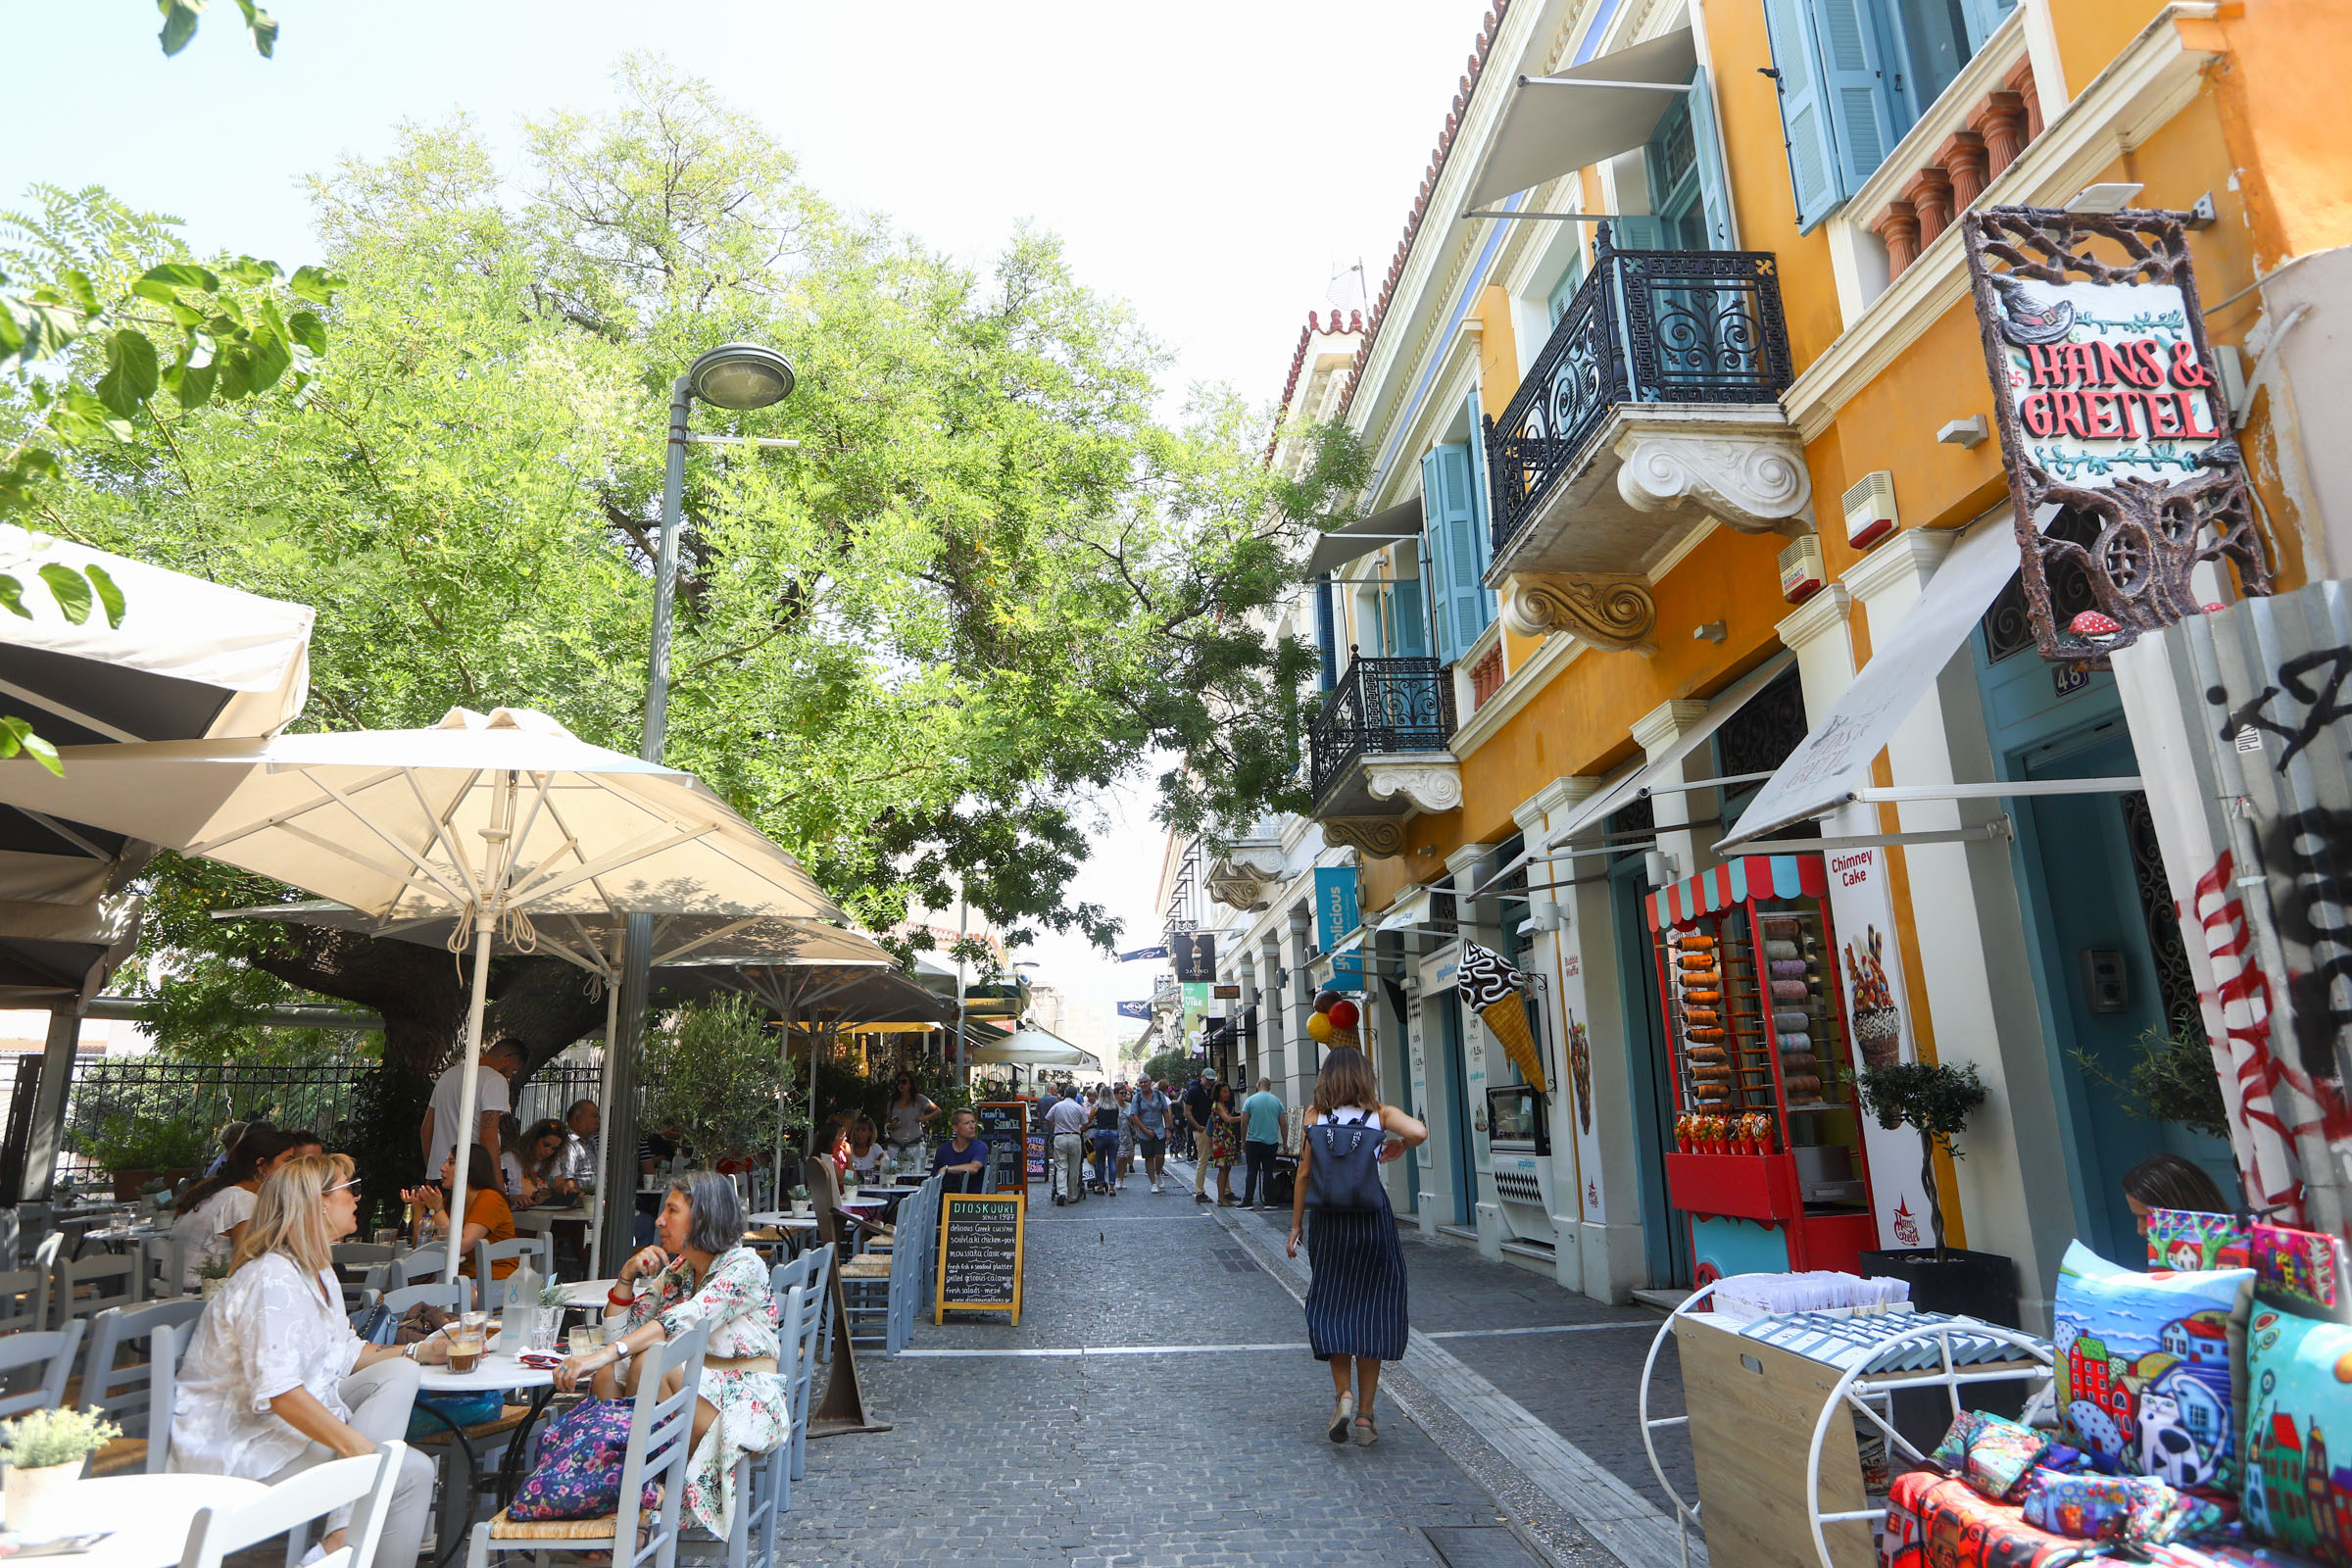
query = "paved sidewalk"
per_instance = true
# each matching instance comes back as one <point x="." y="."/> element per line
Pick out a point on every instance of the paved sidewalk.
<point x="1121" y="1423"/>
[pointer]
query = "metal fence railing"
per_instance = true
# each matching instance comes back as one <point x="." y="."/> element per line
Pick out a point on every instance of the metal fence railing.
<point x="112" y="1095"/>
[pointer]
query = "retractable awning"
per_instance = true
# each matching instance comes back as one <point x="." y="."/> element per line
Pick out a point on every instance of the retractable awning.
<point x="1361" y="537"/>
<point x="1599" y="809"/>
<point x="1583" y="115"/>
<point x="1831" y="766"/>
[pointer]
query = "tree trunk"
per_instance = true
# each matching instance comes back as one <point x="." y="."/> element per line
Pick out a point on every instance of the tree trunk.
<point x="1927" y="1177"/>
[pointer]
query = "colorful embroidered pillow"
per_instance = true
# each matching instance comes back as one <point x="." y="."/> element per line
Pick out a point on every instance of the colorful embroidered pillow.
<point x="2186" y="1239"/>
<point x="2301" y="1272"/>
<point x="2299" y="1371"/>
<point x="579" y="1474"/>
<point x="1990" y="1452"/>
<point x="2139" y="1510"/>
<point x="2146" y="1367"/>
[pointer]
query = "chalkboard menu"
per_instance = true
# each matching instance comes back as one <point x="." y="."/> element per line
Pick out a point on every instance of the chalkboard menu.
<point x="979" y="1254"/>
<point x="1005" y="1126"/>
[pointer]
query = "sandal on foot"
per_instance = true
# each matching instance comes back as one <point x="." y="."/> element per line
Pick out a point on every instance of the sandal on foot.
<point x="1341" y="1414"/>
<point x="1367" y="1432"/>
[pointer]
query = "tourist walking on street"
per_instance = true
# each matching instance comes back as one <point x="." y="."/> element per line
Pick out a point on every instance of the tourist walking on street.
<point x="1068" y="1123"/>
<point x="1149" y="1114"/>
<point x="1126" y="1136"/>
<point x="1356" y="1317"/>
<point x="1262" y="1141"/>
<point x="1199" y="1102"/>
<point x="1224" y="1142"/>
<point x="1102" y="1135"/>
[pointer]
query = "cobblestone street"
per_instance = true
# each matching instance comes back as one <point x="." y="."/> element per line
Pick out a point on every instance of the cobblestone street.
<point x="1157" y="1406"/>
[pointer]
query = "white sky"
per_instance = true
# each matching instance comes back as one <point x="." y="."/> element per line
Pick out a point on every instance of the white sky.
<point x="1213" y="165"/>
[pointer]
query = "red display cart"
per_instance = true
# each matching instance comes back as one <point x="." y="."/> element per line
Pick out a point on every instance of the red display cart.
<point x="1768" y="1166"/>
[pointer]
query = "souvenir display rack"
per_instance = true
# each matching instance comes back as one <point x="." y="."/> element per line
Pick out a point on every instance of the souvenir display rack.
<point x="1767" y="1128"/>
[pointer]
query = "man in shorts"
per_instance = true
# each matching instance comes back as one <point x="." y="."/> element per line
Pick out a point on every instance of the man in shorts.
<point x="1147" y="1113"/>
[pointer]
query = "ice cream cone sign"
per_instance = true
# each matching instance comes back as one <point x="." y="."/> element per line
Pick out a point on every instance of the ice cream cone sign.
<point x="1493" y="989"/>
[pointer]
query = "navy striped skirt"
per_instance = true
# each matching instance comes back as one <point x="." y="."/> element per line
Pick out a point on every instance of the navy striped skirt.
<point x="1355" y="1301"/>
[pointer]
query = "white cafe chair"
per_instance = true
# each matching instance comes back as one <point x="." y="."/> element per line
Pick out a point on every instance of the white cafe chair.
<point x="365" y="1483"/>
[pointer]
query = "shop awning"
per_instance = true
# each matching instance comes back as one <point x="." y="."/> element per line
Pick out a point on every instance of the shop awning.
<point x="1599" y="809"/>
<point x="1831" y="766"/>
<point x="1735" y="881"/>
<point x="1583" y="115"/>
<point x="1361" y="537"/>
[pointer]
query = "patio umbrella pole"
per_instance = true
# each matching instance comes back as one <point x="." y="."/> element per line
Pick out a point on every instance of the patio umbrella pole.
<point x="484" y="923"/>
<point x="603" y="1108"/>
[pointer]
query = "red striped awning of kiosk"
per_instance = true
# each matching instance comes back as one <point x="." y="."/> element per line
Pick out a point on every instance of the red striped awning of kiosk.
<point x="1750" y="876"/>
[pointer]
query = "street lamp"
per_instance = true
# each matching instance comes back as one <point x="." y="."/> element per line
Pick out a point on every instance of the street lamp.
<point x="739" y="377"/>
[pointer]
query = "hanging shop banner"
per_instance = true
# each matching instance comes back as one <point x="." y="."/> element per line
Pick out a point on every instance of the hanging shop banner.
<point x="1870" y="968"/>
<point x="1336" y="916"/>
<point x="1196" y="954"/>
<point x="1417" y="1060"/>
<point x="1144" y="953"/>
<point x="1194" y="994"/>
<point x="2242" y="722"/>
<point x="2110" y="409"/>
<point x="1135" y="1010"/>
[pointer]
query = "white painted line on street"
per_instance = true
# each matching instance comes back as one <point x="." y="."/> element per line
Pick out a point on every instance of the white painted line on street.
<point x="1548" y="1328"/>
<point x="1108" y="1349"/>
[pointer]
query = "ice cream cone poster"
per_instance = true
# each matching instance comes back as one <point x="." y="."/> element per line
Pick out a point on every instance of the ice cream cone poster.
<point x="1580" y="1072"/>
<point x="1496" y="991"/>
<point x="1869" y="965"/>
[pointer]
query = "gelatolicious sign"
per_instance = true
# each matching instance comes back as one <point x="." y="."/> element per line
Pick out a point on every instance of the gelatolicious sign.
<point x="2122" y="461"/>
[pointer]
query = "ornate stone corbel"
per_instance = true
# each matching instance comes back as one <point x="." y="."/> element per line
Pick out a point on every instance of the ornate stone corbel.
<point x="1756" y="483"/>
<point x="1431" y="786"/>
<point x="1609" y="612"/>
<point x="1380" y="837"/>
<point x="1243" y="877"/>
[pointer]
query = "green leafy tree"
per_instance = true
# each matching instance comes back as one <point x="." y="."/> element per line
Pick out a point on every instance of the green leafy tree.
<point x="1936" y="1099"/>
<point x="990" y="583"/>
<point x="716" y="1074"/>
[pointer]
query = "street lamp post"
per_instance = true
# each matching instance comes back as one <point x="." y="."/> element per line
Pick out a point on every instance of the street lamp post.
<point x="738" y="377"/>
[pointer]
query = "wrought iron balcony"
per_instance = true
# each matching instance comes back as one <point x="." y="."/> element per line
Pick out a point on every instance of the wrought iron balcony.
<point x="1678" y="350"/>
<point x="1376" y="752"/>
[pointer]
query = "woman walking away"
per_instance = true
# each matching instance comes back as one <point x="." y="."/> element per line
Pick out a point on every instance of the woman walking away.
<point x="1102" y="1133"/>
<point x="1356" y="1304"/>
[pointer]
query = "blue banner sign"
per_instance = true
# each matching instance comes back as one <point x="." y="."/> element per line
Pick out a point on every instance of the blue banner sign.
<point x="1135" y="1010"/>
<point x="1144" y="953"/>
<point x="1336" y="916"/>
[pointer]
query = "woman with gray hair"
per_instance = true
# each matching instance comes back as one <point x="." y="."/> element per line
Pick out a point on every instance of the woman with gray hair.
<point x="700" y="1273"/>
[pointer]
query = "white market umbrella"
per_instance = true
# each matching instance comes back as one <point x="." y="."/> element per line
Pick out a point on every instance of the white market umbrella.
<point x="495" y="820"/>
<point x="1031" y="1046"/>
<point x="709" y="949"/>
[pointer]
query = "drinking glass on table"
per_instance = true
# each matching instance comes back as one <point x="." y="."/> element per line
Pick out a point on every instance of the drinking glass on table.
<point x="586" y="1338"/>
<point x="468" y="1338"/>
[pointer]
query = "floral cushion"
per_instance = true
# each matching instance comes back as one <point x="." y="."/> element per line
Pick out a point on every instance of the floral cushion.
<point x="579" y="1474"/>
<point x="1991" y="1453"/>
<point x="2151" y="1366"/>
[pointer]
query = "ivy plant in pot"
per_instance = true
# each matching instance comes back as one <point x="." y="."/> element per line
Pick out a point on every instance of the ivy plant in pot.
<point x="45" y="1451"/>
<point x="1936" y="1100"/>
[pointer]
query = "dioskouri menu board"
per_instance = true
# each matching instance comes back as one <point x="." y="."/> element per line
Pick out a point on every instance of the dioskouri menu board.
<point x="980" y="1239"/>
<point x="1005" y="1126"/>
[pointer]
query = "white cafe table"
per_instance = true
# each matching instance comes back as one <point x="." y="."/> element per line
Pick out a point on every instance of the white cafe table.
<point x="587" y="1293"/>
<point x="492" y="1372"/>
<point x="149" y="1515"/>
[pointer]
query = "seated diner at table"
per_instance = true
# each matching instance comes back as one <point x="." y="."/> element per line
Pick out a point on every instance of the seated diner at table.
<point x="963" y="1156"/>
<point x="700" y="1272"/>
<point x="214" y="1212"/>
<point x="865" y="1154"/>
<point x="274" y="1381"/>
<point x="539" y="1156"/>
<point x="488" y="1218"/>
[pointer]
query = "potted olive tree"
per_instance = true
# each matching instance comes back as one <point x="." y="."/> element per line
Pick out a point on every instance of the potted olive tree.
<point x="1936" y="1100"/>
<point x="715" y="1073"/>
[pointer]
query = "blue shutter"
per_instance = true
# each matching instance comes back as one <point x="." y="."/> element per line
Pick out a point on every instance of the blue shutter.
<point x="1982" y="17"/>
<point x="1327" y="634"/>
<point x="1555" y="304"/>
<point x="1462" y="606"/>
<point x="1436" y="565"/>
<point x="1855" y="88"/>
<point x="1636" y="231"/>
<point x="1813" y="166"/>
<point x="1714" y="188"/>
<point x="1482" y="503"/>
<point x="1406" y="621"/>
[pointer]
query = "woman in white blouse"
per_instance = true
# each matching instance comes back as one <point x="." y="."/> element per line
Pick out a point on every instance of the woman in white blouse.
<point x="274" y="1380"/>
<point x="214" y="1212"/>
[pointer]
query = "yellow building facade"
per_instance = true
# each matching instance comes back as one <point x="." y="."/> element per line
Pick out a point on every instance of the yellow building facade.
<point x="1674" y="435"/>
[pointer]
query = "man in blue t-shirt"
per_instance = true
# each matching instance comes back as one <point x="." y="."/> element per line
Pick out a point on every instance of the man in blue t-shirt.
<point x="1147" y="1114"/>
<point x="1262" y="1141"/>
<point x="963" y="1156"/>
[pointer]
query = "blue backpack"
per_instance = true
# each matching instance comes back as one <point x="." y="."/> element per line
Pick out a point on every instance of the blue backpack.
<point x="1343" y="1170"/>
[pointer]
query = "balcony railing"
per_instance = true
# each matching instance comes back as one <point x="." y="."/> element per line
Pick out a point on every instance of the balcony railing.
<point x="1648" y="326"/>
<point x="1380" y="705"/>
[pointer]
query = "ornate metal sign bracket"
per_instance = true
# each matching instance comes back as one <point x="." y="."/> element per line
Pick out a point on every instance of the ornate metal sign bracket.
<point x="2109" y="407"/>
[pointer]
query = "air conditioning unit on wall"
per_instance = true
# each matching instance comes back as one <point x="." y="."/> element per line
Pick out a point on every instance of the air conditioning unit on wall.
<point x="1870" y="508"/>
<point x="1801" y="573"/>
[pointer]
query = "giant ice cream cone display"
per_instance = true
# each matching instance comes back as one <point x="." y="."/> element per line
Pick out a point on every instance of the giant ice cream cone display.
<point x="1491" y="988"/>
